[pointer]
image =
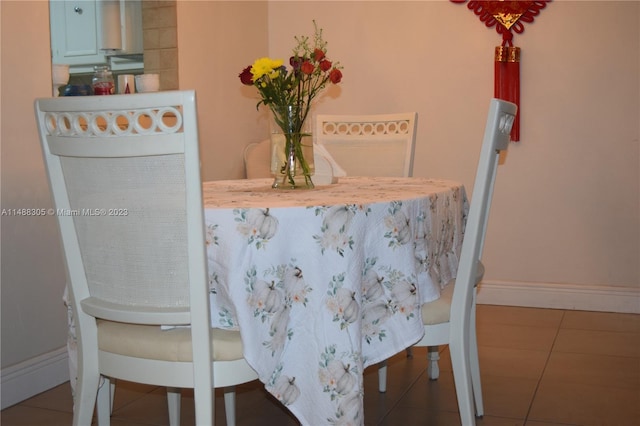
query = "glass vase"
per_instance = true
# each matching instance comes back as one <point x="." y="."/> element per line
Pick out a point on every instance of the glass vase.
<point x="291" y="149"/>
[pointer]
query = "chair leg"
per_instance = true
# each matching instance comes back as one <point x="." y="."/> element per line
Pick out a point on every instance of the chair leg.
<point x="433" y="356"/>
<point x="112" y="394"/>
<point x="104" y="402"/>
<point x="474" y="363"/>
<point x="382" y="376"/>
<point x="462" y="380"/>
<point x="85" y="397"/>
<point x="230" y="405"/>
<point x="203" y="392"/>
<point x="173" y="401"/>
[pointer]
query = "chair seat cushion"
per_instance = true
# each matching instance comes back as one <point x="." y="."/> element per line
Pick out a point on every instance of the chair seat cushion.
<point x="151" y="342"/>
<point x="437" y="312"/>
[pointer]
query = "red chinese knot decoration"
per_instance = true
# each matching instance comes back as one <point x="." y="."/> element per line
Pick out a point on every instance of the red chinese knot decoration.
<point x="508" y="17"/>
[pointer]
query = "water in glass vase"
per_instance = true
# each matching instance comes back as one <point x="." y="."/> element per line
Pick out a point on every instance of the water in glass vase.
<point x="291" y="148"/>
<point x="292" y="162"/>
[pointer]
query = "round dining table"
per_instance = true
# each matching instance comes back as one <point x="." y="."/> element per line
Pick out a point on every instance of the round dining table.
<point x="323" y="283"/>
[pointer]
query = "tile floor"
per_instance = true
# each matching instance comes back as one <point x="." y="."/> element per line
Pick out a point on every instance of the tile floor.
<point x="540" y="367"/>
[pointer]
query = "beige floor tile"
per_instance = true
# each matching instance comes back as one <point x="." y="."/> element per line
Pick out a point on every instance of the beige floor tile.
<point x="437" y="395"/>
<point x="425" y="415"/>
<point x="151" y="408"/>
<point x="594" y="370"/>
<point x="603" y="321"/>
<point x="58" y="398"/>
<point x="128" y="392"/>
<point x="513" y="363"/>
<point x="516" y="336"/>
<point x="505" y="362"/>
<point x="253" y="406"/>
<point x="503" y="397"/>
<point x="598" y="342"/>
<point x="21" y="415"/>
<point x="507" y="397"/>
<point x="585" y="405"/>
<point x="514" y="315"/>
<point x="125" y="422"/>
<point x="401" y="370"/>
<point x="402" y="373"/>
<point x="498" y="421"/>
<point x="378" y="405"/>
<point x="558" y="367"/>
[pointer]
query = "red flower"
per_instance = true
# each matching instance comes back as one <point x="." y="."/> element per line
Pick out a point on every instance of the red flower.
<point x="246" y="77"/>
<point x="307" y="67"/>
<point x="325" y="65"/>
<point x="335" y="76"/>
<point x="318" y="55"/>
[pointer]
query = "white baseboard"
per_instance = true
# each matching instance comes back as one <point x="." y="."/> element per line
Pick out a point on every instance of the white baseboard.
<point x="560" y="296"/>
<point x="33" y="376"/>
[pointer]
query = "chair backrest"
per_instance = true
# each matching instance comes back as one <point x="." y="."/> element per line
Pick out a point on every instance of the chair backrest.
<point x="124" y="172"/>
<point x="370" y="145"/>
<point x="257" y="159"/>
<point x="496" y="138"/>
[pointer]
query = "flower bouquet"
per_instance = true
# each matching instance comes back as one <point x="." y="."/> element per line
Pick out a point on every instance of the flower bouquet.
<point x="288" y="94"/>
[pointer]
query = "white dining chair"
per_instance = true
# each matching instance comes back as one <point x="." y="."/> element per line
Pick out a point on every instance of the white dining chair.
<point x="370" y="145"/>
<point x="257" y="159"/>
<point x="451" y="318"/>
<point x="124" y="173"/>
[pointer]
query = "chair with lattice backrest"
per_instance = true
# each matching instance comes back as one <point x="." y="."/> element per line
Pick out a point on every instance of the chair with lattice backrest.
<point x="124" y="172"/>
<point x="451" y="318"/>
<point x="370" y="145"/>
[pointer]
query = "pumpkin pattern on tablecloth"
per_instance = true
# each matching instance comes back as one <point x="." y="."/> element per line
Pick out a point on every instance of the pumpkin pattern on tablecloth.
<point x="258" y="225"/>
<point x="338" y="374"/>
<point x="283" y="387"/>
<point x="272" y="298"/>
<point x="334" y="234"/>
<point x="397" y="222"/>
<point x="341" y="302"/>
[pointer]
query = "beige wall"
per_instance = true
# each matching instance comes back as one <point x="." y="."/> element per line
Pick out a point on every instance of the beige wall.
<point x="566" y="205"/>
<point x="567" y="201"/>
<point x="33" y="276"/>
<point x="216" y="40"/>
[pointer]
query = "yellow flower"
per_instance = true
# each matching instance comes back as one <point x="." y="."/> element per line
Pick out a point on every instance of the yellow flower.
<point x="265" y="66"/>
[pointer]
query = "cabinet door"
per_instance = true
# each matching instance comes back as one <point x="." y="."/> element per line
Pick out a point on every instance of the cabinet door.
<point x="75" y="32"/>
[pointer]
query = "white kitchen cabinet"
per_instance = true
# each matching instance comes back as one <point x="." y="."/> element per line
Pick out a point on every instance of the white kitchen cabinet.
<point x="76" y="31"/>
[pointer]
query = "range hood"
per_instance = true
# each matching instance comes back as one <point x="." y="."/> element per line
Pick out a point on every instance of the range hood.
<point x="121" y="27"/>
<point x="131" y="64"/>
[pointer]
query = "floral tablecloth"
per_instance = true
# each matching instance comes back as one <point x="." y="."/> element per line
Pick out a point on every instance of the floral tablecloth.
<point x="324" y="283"/>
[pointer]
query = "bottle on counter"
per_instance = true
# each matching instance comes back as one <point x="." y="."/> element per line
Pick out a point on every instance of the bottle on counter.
<point x="102" y="82"/>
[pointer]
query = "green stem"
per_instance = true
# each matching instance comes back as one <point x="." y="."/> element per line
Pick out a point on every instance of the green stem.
<point x="294" y="145"/>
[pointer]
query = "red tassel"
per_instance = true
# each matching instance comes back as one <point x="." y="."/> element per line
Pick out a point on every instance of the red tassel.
<point x="507" y="81"/>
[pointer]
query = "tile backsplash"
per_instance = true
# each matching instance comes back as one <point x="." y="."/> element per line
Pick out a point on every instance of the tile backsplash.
<point x="159" y="26"/>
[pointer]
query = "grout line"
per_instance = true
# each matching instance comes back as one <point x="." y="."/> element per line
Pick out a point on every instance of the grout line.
<point x="535" y="392"/>
<point x="402" y="395"/>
